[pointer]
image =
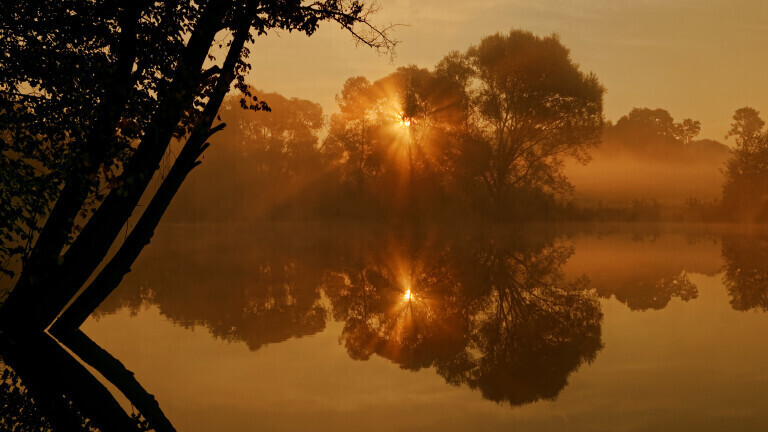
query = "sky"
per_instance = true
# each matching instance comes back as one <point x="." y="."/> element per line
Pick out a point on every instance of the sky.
<point x="699" y="59"/>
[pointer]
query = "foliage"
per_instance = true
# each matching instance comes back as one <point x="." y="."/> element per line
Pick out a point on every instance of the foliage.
<point x="260" y="161"/>
<point x="653" y="134"/>
<point x="94" y="92"/>
<point x="18" y="411"/>
<point x="746" y="271"/>
<point x="487" y="126"/>
<point x="494" y="314"/>
<point x="529" y="107"/>
<point x="745" y="192"/>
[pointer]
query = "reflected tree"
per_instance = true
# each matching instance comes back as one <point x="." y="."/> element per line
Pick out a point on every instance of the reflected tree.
<point x="224" y="284"/>
<point x="387" y="311"/>
<point x="746" y="271"/>
<point x="496" y="315"/>
<point x="500" y="320"/>
<point x="18" y="410"/>
<point x="529" y="330"/>
<point x="43" y="378"/>
<point x="643" y="292"/>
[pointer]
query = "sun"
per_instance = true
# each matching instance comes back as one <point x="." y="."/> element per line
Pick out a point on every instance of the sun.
<point x="408" y="296"/>
<point x="404" y="121"/>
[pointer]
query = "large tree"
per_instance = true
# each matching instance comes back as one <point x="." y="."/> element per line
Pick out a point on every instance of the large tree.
<point x="529" y="107"/>
<point x="387" y="139"/>
<point x="93" y="93"/>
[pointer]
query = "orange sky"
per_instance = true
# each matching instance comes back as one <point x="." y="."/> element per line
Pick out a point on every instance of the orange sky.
<point x="696" y="58"/>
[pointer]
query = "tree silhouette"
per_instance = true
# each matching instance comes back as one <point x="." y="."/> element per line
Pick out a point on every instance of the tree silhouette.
<point x="388" y="139"/>
<point x="653" y="134"/>
<point x="93" y="94"/>
<point x="491" y="124"/>
<point x="262" y="162"/>
<point x="529" y="108"/>
<point x="745" y="192"/>
<point x="137" y="82"/>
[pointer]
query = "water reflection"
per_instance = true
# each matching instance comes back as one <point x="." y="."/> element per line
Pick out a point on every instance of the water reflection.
<point x="645" y="272"/>
<point x="44" y="388"/>
<point x="18" y="407"/>
<point x="244" y="291"/>
<point x="510" y="315"/>
<point x="494" y="314"/>
<point x="496" y="318"/>
<point x="745" y="271"/>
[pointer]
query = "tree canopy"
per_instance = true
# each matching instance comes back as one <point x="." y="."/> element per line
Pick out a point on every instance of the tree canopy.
<point x="493" y="122"/>
<point x="530" y="106"/>
<point x="745" y="192"/>
<point x="652" y="133"/>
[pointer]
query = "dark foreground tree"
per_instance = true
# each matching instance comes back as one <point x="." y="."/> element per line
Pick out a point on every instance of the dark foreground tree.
<point x="93" y="93"/>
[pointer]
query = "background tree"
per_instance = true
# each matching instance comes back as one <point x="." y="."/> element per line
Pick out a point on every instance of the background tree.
<point x="386" y="143"/>
<point x="649" y="158"/>
<point x="653" y="133"/>
<point x="260" y="164"/>
<point x="351" y="142"/>
<point x="687" y="130"/>
<point x="745" y="192"/>
<point x="529" y="107"/>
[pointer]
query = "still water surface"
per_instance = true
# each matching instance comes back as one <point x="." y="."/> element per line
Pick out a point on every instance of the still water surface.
<point x="309" y="328"/>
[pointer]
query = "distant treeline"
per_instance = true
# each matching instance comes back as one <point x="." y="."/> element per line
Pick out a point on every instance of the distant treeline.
<point x="509" y="130"/>
<point x="483" y="134"/>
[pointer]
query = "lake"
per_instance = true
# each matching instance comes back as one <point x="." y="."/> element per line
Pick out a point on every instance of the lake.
<point x="539" y="328"/>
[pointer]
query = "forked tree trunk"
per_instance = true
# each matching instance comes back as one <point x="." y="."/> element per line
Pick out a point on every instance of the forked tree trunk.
<point x="24" y="309"/>
<point x="43" y="262"/>
<point x="111" y="275"/>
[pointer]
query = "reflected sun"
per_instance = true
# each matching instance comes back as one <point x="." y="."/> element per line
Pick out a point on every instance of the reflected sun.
<point x="408" y="296"/>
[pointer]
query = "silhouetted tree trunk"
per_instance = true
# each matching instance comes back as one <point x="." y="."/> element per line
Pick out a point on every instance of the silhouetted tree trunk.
<point x="42" y="265"/>
<point x="109" y="278"/>
<point x="114" y="371"/>
<point x="55" y="379"/>
<point x="60" y="281"/>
